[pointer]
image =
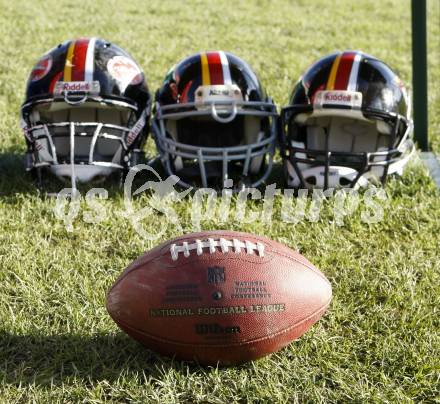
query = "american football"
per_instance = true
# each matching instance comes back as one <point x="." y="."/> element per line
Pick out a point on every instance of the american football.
<point x="219" y="297"/>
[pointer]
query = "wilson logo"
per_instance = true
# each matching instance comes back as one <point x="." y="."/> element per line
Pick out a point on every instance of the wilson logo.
<point x="206" y="329"/>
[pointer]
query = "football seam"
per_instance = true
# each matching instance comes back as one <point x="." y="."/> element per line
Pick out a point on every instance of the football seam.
<point x="252" y="341"/>
<point x="303" y="261"/>
<point x="168" y="244"/>
<point x="271" y="251"/>
<point x="269" y="257"/>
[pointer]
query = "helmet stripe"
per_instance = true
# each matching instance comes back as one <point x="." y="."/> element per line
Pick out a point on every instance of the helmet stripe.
<point x="79" y="59"/>
<point x="333" y="71"/>
<point x="55" y="79"/>
<point x="67" y="76"/>
<point x="344" y="69"/>
<point x="90" y="60"/>
<point x="215" y="68"/>
<point x="74" y="68"/>
<point x="206" y="80"/>
<point x="225" y="67"/>
<point x="352" y="81"/>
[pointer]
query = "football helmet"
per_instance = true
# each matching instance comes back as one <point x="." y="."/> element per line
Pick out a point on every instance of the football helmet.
<point x="86" y="111"/>
<point x="213" y="122"/>
<point x="348" y="122"/>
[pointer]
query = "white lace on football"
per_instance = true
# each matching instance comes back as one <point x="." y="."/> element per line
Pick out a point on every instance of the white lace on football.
<point x="211" y="244"/>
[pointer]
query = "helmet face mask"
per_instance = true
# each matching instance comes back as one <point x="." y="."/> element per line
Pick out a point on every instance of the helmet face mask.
<point x="346" y="128"/>
<point x="88" y="122"/>
<point x="214" y="123"/>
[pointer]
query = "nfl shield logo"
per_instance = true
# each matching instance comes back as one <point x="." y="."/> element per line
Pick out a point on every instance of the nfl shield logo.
<point x="216" y="275"/>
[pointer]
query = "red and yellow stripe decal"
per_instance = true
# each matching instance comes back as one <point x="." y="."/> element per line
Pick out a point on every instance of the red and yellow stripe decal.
<point x="206" y="78"/>
<point x="215" y="69"/>
<point x="339" y="78"/>
<point x="67" y="76"/>
<point x="78" y="63"/>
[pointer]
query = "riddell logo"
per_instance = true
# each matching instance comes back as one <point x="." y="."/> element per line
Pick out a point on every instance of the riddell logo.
<point x="204" y="329"/>
<point x="337" y="97"/>
<point x="66" y="87"/>
<point x="218" y="92"/>
<point x="76" y="86"/>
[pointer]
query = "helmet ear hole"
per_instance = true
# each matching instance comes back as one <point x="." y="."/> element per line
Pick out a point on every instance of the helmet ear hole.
<point x="344" y="182"/>
<point x="311" y="180"/>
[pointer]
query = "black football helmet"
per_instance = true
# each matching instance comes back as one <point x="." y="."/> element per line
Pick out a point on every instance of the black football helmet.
<point x="86" y="111"/>
<point x="214" y="122"/>
<point x="348" y="122"/>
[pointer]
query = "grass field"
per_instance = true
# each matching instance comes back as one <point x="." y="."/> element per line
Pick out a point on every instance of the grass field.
<point x="379" y="342"/>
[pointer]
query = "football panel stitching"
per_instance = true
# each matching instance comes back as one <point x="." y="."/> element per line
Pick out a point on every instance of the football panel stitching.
<point x="211" y="244"/>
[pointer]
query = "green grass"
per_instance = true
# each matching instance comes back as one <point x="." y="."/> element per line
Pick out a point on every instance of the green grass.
<point x="379" y="341"/>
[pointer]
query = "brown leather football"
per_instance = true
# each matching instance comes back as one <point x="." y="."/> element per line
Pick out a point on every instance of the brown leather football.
<point x="218" y="297"/>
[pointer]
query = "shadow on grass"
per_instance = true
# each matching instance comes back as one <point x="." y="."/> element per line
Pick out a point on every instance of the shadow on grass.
<point x="48" y="360"/>
<point x="15" y="181"/>
<point x="13" y="177"/>
<point x="277" y="175"/>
